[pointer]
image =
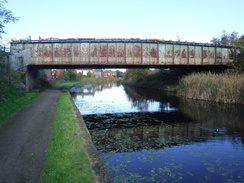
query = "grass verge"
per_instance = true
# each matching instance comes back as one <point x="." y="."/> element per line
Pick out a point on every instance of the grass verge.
<point x="66" y="159"/>
<point x="14" y="104"/>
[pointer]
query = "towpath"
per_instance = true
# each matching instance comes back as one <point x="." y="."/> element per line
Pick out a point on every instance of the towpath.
<point x="24" y="139"/>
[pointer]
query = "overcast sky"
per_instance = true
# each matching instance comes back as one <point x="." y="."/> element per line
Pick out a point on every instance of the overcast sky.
<point x="191" y="20"/>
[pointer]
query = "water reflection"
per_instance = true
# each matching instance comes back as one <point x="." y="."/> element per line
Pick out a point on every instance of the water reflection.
<point x="146" y="136"/>
<point x="88" y="89"/>
<point x="229" y="118"/>
<point x="133" y="131"/>
<point x="115" y="98"/>
<point x="140" y="98"/>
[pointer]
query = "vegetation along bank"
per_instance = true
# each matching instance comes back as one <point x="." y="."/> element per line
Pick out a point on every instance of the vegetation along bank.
<point x="213" y="87"/>
<point x="208" y="86"/>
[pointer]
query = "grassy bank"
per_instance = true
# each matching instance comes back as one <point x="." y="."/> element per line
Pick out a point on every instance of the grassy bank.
<point x="14" y="103"/>
<point x="66" y="159"/>
<point x="213" y="87"/>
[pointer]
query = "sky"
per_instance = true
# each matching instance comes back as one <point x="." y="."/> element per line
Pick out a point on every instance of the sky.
<point x="189" y="20"/>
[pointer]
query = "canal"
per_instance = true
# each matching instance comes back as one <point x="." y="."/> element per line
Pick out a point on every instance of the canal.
<point x="150" y="136"/>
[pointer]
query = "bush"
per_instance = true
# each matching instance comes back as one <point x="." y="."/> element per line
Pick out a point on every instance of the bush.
<point x="10" y="82"/>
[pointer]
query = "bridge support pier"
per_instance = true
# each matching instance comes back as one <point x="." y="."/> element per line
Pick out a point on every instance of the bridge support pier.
<point x="32" y="79"/>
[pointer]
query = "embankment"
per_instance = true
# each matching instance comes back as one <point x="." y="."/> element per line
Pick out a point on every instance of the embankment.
<point x="98" y="168"/>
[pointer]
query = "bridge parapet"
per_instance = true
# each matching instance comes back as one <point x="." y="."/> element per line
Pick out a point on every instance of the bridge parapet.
<point x="116" y="51"/>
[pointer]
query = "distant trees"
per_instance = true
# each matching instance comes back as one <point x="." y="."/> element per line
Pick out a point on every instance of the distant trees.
<point x="138" y="74"/>
<point x="90" y="74"/>
<point x="69" y="75"/>
<point x="237" y="42"/>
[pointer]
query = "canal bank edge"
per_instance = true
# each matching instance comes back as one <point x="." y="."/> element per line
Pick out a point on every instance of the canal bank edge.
<point x="100" y="173"/>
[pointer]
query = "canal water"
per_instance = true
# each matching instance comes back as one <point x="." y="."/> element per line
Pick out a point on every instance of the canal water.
<point x="149" y="136"/>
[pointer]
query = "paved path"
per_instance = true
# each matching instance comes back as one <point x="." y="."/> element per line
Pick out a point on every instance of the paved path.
<point x="24" y="139"/>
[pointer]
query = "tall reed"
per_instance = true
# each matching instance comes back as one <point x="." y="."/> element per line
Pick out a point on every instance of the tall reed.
<point x="226" y="88"/>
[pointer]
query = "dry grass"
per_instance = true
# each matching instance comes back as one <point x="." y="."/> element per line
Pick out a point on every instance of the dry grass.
<point x="224" y="88"/>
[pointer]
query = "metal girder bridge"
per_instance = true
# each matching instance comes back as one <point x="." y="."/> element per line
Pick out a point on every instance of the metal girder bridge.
<point x="116" y="53"/>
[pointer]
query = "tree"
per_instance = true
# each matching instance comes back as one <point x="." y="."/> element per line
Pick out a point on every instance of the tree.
<point x="119" y="73"/>
<point x="226" y="39"/>
<point x="138" y="74"/>
<point x="237" y="43"/>
<point x="9" y="80"/>
<point x="89" y="74"/>
<point x="69" y="75"/>
<point x="6" y="16"/>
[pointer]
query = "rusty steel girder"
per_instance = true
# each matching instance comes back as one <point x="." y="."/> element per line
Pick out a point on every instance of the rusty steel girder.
<point x="91" y="51"/>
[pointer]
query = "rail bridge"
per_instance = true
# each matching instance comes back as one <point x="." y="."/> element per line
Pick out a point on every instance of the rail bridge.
<point x="112" y="53"/>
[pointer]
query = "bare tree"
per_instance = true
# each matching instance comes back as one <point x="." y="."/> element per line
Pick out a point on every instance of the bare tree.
<point x="226" y="39"/>
<point x="6" y="16"/>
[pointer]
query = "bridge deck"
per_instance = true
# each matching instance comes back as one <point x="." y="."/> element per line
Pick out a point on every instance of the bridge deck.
<point x="116" y="53"/>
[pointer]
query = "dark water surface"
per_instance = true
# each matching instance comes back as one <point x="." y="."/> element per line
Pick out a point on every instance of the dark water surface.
<point x="148" y="136"/>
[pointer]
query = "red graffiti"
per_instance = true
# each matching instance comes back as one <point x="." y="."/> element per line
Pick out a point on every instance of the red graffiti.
<point x="111" y="52"/>
<point x="153" y="52"/>
<point x="205" y="54"/>
<point x="137" y="51"/>
<point x="177" y="53"/>
<point x="47" y="52"/>
<point x="120" y="51"/>
<point x="66" y="52"/>
<point x="169" y="53"/>
<point x="183" y="54"/>
<point x="57" y="51"/>
<point x="103" y="51"/>
<point x="192" y="53"/>
<point x="38" y="51"/>
<point x="94" y="52"/>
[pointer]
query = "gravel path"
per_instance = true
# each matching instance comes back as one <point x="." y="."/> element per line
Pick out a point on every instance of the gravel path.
<point x="24" y="139"/>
